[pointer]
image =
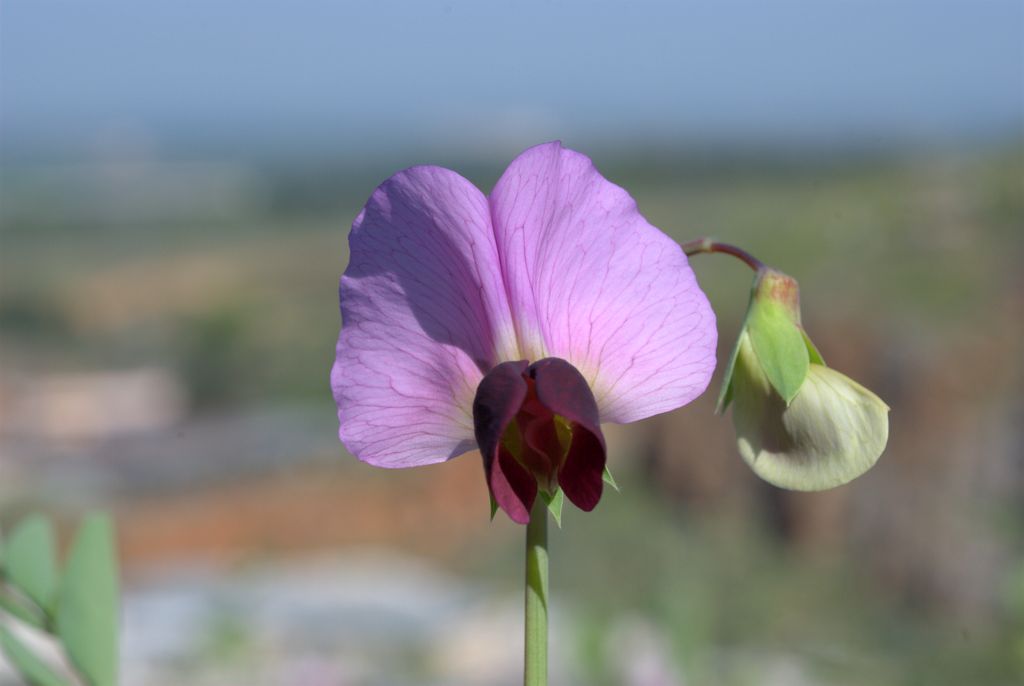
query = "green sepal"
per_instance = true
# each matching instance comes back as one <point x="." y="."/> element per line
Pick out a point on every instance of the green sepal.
<point x="779" y="345"/>
<point x="88" y="603"/>
<point x="32" y="560"/>
<point x="725" y="392"/>
<point x="35" y="671"/>
<point x="29" y="615"/>
<point x="812" y="350"/>
<point x="554" y="504"/>
<point x="494" y="506"/>
<point x="609" y="479"/>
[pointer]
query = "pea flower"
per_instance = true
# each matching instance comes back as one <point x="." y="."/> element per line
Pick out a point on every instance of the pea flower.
<point x="516" y="323"/>
<point x="799" y="424"/>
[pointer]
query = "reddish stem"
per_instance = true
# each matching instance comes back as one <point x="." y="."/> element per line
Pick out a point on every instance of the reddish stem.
<point x="706" y="245"/>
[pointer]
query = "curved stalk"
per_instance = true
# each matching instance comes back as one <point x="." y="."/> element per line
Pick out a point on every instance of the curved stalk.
<point x="706" y="245"/>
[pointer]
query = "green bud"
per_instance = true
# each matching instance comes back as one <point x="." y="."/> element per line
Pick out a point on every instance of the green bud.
<point x="799" y="424"/>
<point x="772" y="324"/>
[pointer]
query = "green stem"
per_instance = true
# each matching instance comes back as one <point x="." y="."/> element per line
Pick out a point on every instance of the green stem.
<point x="706" y="245"/>
<point x="535" y="672"/>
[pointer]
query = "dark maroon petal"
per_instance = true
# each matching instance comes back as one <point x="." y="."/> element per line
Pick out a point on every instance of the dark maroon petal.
<point x="498" y="398"/>
<point x="542" y="451"/>
<point x="564" y="391"/>
<point x="513" y="488"/>
<point x="582" y="473"/>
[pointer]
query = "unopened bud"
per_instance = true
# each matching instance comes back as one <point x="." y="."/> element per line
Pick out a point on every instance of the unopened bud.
<point x="799" y="424"/>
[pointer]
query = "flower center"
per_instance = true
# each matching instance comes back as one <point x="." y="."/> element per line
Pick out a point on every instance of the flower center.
<point x="537" y="427"/>
<point x="538" y="439"/>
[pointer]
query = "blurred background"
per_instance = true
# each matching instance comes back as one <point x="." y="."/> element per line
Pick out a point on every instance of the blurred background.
<point x="176" y="186"/>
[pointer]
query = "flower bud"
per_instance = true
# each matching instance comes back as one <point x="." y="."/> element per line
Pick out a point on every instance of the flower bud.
<point x="799" y="425"/>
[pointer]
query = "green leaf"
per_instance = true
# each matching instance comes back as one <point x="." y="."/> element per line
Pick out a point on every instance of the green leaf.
<point x="609" y="479"/>
<point x="35" y="671"/>
<point x="32" y="560"/>
<point x="779" y="346"/>
<point x="554" y="504"/>
<point x="30" y="616"/>
<point x="88" y="604"/>
<point x="494" y="507"/>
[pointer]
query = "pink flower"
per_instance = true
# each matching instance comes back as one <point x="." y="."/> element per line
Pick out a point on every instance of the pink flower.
<point x="515" y="323"/>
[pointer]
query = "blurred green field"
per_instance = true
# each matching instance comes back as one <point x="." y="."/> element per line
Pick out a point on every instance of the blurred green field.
<point x="248" y="277"/>
<point x="226" y="275"/>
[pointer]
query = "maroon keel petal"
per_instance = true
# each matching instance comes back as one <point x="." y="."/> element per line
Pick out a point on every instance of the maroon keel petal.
<point x="498" y="397"/>
<point x="564" y="391"/>
<point x="513" y="488"/>
<point x="542" y="452"/>
<point x="582" y="473"/>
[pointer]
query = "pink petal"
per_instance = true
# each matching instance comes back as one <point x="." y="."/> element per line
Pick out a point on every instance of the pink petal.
<point x="425" y="315"/>
<point x="591" y="282"/>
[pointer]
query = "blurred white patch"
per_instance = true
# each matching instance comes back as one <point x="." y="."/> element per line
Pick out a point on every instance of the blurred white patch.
<point x="486" y="641"/>
<point x="641" y="654"/>
<point x="366" y="617"/>
<point x="91" y="406"/>
<point x="40" y="645"/>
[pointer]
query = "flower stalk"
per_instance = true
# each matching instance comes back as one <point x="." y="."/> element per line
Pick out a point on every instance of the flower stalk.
<point x="706" y="245"/>
<point x="535" y="672"/>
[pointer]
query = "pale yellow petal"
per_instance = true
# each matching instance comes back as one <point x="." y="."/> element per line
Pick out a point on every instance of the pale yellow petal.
<point x="833" y="431"/>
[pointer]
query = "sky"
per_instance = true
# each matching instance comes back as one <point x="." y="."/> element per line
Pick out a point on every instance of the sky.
<point x="384" y="73"/>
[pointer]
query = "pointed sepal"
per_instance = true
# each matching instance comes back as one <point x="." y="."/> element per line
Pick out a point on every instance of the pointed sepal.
<point x="609" y="479"/>
<point x="725" y="392"/>
<point x="812" y="350"/>
<point x="554" y="504"/>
